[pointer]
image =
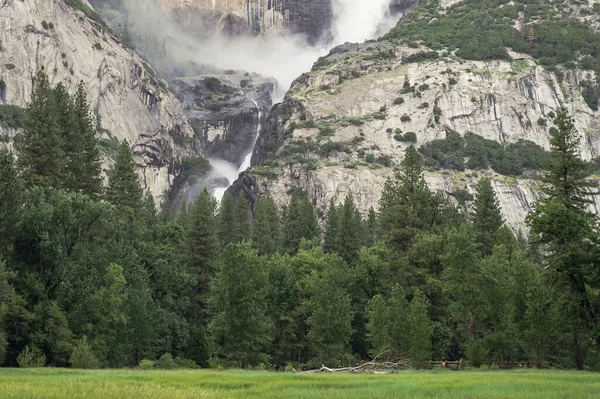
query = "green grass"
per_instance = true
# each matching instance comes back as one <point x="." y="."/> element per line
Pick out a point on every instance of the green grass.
<point x="79" y="384"/>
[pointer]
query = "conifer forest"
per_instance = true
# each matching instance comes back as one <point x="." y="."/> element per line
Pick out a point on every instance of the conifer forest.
<point x="92" y="275"/>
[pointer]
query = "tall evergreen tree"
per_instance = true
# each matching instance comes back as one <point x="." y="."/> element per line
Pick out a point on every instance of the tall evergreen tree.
<point x="299" y="221"/>
<point x="266" y="230"/>
<point x="372" y="228"/>
<point x="86" y="162"/>
<point x="350" y="235"/>
<point x="330" y="318"/>
<point x="568" y="231"/>
<point x="124" y="189"/>
<point x="284" y="299"/>
<point x="407" y="206"/>
<point x="202" y="249"/>
<point x="486" y="216"/>
<point x="332" y="227"/>
<point x="10" y="200"/>
<point x="238" y="303"/>
<point x="68" y="134"/>
<point x="39" y="146"/>
<point x="165" y="213"/>
<point x="241" y="226"/>
<point x="226" y="219"/>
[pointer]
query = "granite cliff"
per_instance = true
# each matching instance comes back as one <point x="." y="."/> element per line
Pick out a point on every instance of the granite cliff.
<point x="344" y="125"/>
<point x="129" y="100"/>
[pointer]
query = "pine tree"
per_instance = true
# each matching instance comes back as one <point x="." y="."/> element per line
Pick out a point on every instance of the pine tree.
<point x="240" y="325"/>
<point x="407" y="206"/>
<point x="65" y="110"/>
<point x="330" y="318"/>
<point x="486" y="216"/>
<point x="372" y="229"/>
<point x="202" y="249"/>
<point x="299" y="221"/>
<point x="307" y="221"/>
<point x="10" y="199"/>
<point x="226" y="219"/>
<point x="283" y="298"/>
<point x="241" y="213"/>
<point x="567" y="230"/>
<point x="39" y="146"/>
<point x="124" y="189"/>
<point x="165" y="213"/>
<point x="399" y="327"/>
<point x="266" y="231"/>
<point x="86" y="165"/>
<point x="332" y="227"/>
<point x="182" y="214"/>
<point x="350" y="235"/>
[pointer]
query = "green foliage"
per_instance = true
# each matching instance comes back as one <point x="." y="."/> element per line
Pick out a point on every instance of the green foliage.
<point x="511" y="159"/>
<point x="146" y="364"/>
<point x="83" y="357"/>
<point x="330" y="314"/>
<point x="486" y="216"/>
<point x="124" y="189"/>
<point x="298" y="222"/>
<point x="420" y="57"/>
<point x="266" y="230"/>
<point x="31" y="357"/>
<point x="81" y="6"/>
<point x="166" y="362"/>
<point x="41" y="156"/>
<point x="11" y="116"/>
<point x="240" y="326"/>
<point x="408" y="137"/>
<point x="399" y="328"/>
<point x="566" y="229"/>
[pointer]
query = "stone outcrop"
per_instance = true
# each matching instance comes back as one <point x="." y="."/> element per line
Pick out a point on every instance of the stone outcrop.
<point x="310" y="18"/>
<point x="352" y="98"/>
<point x="128" y="99"/>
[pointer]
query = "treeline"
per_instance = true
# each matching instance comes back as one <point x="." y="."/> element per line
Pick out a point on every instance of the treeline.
<point x="101" y="279"/>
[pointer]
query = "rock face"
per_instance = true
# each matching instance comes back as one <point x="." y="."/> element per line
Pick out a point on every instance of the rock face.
<point x="350" y="103"/>
<point x="128" y="100"/>
<point x="312" y="19"/>
<point x="308" y="17"/>
<point x="223" y="110"/>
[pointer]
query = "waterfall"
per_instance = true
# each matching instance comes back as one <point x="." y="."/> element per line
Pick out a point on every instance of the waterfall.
<point x="354" y="21"/>
<point x="227" y="169"/>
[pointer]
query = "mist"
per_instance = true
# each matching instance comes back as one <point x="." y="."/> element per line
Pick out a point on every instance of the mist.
<point x="284" y="57"/>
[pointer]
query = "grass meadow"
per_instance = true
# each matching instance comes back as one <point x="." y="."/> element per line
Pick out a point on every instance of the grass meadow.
<point x="116" y="384"/>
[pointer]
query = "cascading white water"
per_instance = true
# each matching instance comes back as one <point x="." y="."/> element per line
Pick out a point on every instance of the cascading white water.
<point x="248" y="158"/>
<point x="227" y="169"/>
<point x="354" y="21"/>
